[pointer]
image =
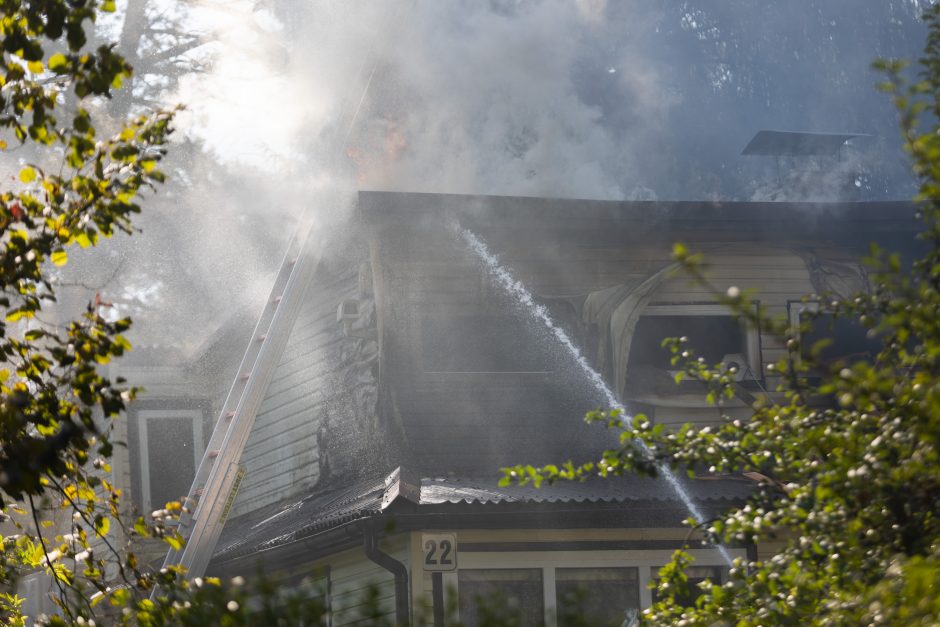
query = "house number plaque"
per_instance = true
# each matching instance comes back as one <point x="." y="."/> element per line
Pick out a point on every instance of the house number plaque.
<point x="439" y="551"/>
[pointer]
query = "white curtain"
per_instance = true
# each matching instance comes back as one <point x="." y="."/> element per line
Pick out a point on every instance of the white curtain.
<point x="615" y="311"/>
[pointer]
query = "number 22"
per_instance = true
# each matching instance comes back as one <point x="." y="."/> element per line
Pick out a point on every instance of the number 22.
<point x="431" y="547"/>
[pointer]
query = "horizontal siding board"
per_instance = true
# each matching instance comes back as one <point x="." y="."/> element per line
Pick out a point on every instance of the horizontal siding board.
<point x="282" y="455"/>
<point x="292" y="411"/>
<point x="351" y="581"/>
<point x="295" y="463"/>
<point x="288" y="400"/>
<point x="259" y="492"/>
<point x="304" y="448"/>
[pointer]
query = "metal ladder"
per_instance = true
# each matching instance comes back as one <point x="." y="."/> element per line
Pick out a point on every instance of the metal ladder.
<point x="219" y="475"/>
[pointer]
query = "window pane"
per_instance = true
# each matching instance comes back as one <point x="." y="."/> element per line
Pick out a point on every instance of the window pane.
<point x="595" y="596"/>
<point x="712" y="337"/>
<point x="509" y="595"/>
<point x="171" y="459"/>
<point x="696" y="575"/>
<point x="849" y="340"/>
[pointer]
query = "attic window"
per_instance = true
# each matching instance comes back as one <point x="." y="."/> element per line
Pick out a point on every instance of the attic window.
<point x="170" y="445"/>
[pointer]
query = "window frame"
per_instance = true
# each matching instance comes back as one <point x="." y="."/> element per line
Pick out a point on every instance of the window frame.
<point x="795" y="308"/>
<point x="752" y="340"/>
<point x="143" y="414"/>
<point x="643" y="560"/>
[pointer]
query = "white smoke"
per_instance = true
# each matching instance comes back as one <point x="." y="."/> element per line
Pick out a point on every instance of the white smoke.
<point x="300" y="104"/>
<point x="465" y="97"/>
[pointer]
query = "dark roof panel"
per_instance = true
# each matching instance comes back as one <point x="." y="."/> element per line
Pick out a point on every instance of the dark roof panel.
<point x="796" y="144"/>
<point x="288" y="520"/>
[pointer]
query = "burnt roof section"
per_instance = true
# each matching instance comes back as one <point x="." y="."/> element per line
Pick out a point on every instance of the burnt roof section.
<point x="399" y="494"/>
<point x="796" y="144"/>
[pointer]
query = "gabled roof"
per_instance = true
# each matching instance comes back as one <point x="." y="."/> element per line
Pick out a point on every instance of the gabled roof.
<point x="403" y="495"/>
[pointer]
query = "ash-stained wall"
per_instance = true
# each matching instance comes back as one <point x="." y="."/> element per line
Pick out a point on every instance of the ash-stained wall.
<point x="322" y="397"/>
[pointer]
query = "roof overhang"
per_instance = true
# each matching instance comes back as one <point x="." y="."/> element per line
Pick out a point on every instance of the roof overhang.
<point x="604" y="221"/>
<point x="301" y="532"/>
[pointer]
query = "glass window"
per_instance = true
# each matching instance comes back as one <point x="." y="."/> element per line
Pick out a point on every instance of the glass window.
<point x="711" y="337"/>
<point x="506" y="595"/>
<point x="848" y="339"/>
<point x="168" y="451"/>
<point x="696" y="575"/>
<point x="596" y="596"/>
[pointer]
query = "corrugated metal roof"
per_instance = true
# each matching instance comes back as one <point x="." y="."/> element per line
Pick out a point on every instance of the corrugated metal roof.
<point x="598" y="490"/>
<point x="289" y="521"/>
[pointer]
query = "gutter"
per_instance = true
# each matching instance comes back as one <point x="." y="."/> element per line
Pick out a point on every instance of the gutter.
<point x="555" y="515"/>
<point x="399" y="570"/>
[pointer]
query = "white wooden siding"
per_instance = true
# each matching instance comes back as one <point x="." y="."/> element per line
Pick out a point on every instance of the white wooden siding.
<point x="282" y="456"/>
<point x="351" y="576"/>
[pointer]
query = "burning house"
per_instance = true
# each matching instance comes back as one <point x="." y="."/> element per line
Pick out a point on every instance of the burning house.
<point x="407" y="373"/>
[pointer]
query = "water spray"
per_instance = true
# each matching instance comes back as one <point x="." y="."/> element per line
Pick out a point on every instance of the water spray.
<point x="521" y="294"/>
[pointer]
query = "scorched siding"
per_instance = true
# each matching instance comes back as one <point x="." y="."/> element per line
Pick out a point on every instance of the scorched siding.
<point x="282" y="456"/>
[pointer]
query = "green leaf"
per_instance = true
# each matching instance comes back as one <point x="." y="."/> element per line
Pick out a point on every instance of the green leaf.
<point x="102" y="525"/>
<point x="175" y="540"/>
<point x="27" y="175"/>
<point x="141" y="527"/>
<point x="60" y="257"/>
<point x="58" y="63"/>
<point x="18" y="314"/>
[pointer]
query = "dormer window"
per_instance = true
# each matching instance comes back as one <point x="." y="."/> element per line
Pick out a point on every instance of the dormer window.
<point x="713" y="333"/>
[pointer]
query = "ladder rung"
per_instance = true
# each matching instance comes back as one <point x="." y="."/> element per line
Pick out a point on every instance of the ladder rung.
<point x="276" y="300"/>
<point x="213" y="454"/>
<point x="229" y="415"/>
<point x="244" y="376"/>
<point x="198" y="492"/>
<point x="261" y="337"/>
